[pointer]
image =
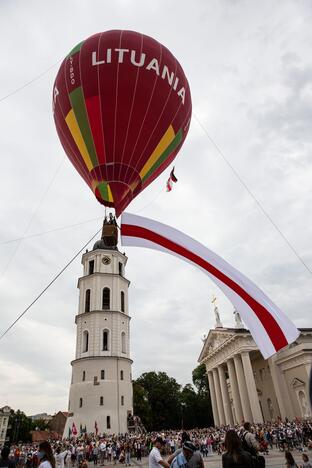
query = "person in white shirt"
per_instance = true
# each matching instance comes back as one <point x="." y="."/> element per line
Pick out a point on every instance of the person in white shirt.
<point x="60" y="457"/>
<point x="102" y="452"/>
<point x="155" y="459"/>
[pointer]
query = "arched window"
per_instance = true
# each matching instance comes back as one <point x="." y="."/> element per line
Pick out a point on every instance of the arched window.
<point x="121" y="375"/>
<point x="105" y="346"/>
<point x="101" y="401"/>
<point x="106" y="298"/>
<point x="122" y="400"/>
<point x="87" y="300"/>
<point x="80" y="402"/>
<point x="123" y="342"/>
<point x="108" y="422"/>
<point x="122" y="301"/>
<point x="85" y="341"/>
<point x="91" y="267"/>
<point x="102" y="374"/>
<point x="83" y="375"/>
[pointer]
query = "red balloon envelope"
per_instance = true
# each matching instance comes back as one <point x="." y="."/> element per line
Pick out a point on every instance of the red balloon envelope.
<point x="122" y="108"/>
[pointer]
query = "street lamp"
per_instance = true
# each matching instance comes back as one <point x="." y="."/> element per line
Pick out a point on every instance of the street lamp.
<point x="183" y="405"/>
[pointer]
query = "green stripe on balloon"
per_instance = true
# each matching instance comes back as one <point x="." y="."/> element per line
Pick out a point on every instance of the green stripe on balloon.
<point x="103" y="189"/>
<point x="173" y="145"/>
<point x="75" y="49"/>
<point x="78" y="105"/>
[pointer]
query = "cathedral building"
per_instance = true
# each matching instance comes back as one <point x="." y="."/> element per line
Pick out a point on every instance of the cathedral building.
<point x="245" y="387"/>
<point x="100" y="399"/>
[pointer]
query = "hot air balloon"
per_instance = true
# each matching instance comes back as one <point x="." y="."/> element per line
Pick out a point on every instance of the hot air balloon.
<point x="122" y="108"/>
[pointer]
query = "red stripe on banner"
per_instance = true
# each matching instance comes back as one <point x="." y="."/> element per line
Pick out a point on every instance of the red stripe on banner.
<point x="272" y="328"/>
<point x="94" y="113"/>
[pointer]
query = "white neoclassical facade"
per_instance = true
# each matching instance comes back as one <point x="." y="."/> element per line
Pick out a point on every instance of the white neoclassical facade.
<point x="101" y="387"/>
<point x="246" y="387"/>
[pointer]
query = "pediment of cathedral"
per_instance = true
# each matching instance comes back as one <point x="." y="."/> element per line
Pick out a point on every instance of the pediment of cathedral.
<point x="297" y="383"/>
<point x="215" y="339"/>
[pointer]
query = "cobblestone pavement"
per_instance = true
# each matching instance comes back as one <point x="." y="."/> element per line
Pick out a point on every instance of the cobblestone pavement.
<point x="275" y="459"/>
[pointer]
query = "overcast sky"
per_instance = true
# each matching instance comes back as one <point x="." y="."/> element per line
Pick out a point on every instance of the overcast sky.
<point x="249" y="68"/>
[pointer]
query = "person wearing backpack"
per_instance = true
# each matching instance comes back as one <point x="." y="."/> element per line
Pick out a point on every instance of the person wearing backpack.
<point x="250" y="444"/>
<point x="235" y="456"/>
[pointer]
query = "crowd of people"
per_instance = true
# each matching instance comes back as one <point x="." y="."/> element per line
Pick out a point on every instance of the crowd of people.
<point x="176" y="448"/>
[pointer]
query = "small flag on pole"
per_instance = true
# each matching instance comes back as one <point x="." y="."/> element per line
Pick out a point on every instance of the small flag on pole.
<point x="74" y="429"/>
<point x="96" y="428"/>
<point x="172" y="179"/>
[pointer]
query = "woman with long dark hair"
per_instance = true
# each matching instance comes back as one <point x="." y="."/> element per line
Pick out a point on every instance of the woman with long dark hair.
<point x="290" y="462"/>
<point x="235" y="456"/>
<point x="45" y="455"/>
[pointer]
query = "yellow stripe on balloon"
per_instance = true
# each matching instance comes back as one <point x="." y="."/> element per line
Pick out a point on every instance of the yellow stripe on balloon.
<point x="110" y="195"/>
<point x="76" y="134"/>
<point x="158" y="151"/>
<point x="96" y="183"/>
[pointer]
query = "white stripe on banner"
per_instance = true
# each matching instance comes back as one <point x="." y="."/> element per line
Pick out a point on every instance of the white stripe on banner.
<point x="270" y="327"/>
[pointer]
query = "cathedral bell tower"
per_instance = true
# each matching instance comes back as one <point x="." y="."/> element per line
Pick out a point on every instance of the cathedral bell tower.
<point x="100" y="398"/>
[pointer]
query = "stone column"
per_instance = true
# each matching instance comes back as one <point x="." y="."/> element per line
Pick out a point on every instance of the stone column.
<point x="252" y="389"/>
<point x="218" y="396"/>
<point x="213" y="399"/>
<point x="276" y="384"/>
<point x="235" y="392"/>
<point x="242" y="388"/>
<point x="225" y="397"/>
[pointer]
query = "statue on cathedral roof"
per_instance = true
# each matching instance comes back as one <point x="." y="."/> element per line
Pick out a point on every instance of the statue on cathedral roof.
<point x="218" y="323"/>
<point x="238" y="320"/>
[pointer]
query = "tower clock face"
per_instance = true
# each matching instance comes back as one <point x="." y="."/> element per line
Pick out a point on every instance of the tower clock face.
<point x="106" y="260"/>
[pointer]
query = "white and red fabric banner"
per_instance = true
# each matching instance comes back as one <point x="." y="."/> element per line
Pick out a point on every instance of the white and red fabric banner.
<point x="74" y="429"/>
<point x="271" y="329"/>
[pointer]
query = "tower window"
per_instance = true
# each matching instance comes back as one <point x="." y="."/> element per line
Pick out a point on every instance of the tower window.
<point x="102" y="374"/>
<point x="80" y="402"/>
<point x="122" y="400"/>
<point x="101" y="401"/>
<point x="123" y="342"/>
<point x="120" y="265"/>
<point x="91" y="267"/>
<point x="106" y="298"/>
<point x="105" y="340"/>
<point x="122" y="301"/>
<point x="85" y="341"/>
<point x="83" y="375"/>
<point x="87" y="300"/>
<point x="121" y="375"/>
<point x="108" y="422"/>
<point x="95" y="380"/>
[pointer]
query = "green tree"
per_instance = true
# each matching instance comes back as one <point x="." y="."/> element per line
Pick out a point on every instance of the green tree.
<point x="141" y="406"/>
<point x="164" y="398"/>
<point x="200" y="379"/>
<point x="188" y="407"/>
<point x="161" y="403"/>
<point x="40" y="425"/>
<point x="20" y="427"/>
<point x="204" y="409"/>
